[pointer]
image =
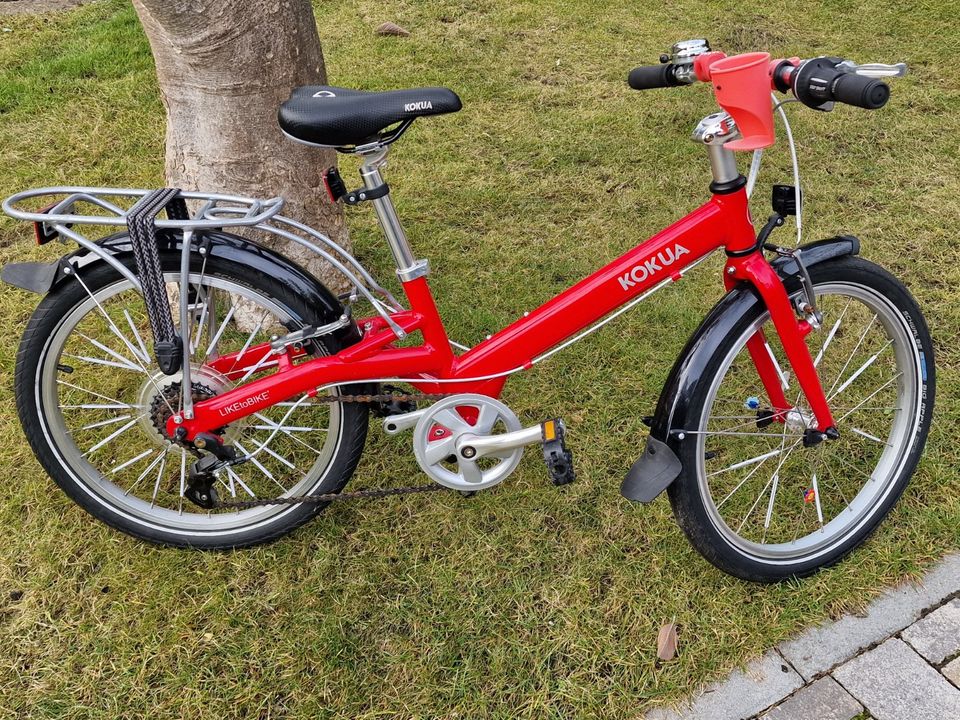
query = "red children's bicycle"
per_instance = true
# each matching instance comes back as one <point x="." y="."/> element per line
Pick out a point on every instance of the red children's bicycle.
<point x="787" y="429"/>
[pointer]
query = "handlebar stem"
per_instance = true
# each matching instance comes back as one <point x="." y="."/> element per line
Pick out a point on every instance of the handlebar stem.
<point x="715" y="131"/>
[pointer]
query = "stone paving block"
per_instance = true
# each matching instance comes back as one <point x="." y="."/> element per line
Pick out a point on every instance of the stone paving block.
<point x="744" y="694"/>
<point x="822" y="648"/>
<point x="937" y="636"/>
<point x="952" y="672"/>
<point x="822" y="700"/>
<point x="894" y="683"/>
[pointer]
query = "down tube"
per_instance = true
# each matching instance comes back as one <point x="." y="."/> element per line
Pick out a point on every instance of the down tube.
<point x="659" y="258"/>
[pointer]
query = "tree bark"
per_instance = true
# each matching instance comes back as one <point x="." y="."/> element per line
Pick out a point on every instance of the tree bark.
<point x="224" y="67"/>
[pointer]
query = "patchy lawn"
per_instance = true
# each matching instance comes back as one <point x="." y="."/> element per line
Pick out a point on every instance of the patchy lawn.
<point x="525" y="601"/>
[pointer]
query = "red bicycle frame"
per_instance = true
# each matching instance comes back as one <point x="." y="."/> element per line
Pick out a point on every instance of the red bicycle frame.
<point x="724" y="222"/>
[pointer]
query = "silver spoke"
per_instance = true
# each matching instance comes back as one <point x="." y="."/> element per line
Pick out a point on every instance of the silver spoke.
<point x="864" y="433"/>
<point x="853" y="468"/>
<point x="200" y="323"/>
<point x="784" y="378"/>
<point x="232" y="487"/>
<point x="106" y="363"/>
<point x="260" y="466"/>
<point x="183" y="479"/>
<point x="100" y="406"/>
<point x="236" y="478"/>
<point x="156" y="485"/>
<point x="751" y="420"/>
<point x="773" y="497"/>
<point x="722" y="433"/>
<point x="830" y="335"/>
<point x="869" y="398"/>
<point x="862" y="368"/>
<point x="744" y="463"/>
<point x="120" y="358"/>
<point x="741" y="483"/>
<point x="216" y="337"/>
<point x="288" y="428"/>
<point x="144" y="356"/>
<point x="271" y="426"/>
<point x="837" y="486"/>
<point x="755" y="503"/>
<point x="151" y="466"/>
<point x="246" y="345"/>
<point x="262" y="362"/>
<point x="850" y="357"/>
<point x="111" y="421"/>
<point x="131" y="461"/>
<point x="110" y="437"/>
<point x="95" y="394"/>
<point x="816" y="500"/>
<point x="113" y="326"/>
<point x="775" y="479"/>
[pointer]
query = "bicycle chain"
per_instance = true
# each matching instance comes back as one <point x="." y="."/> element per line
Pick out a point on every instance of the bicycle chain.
<point x="354" y="494"/>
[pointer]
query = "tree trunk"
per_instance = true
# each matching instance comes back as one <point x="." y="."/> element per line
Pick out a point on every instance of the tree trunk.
<point x="224" y="67"/>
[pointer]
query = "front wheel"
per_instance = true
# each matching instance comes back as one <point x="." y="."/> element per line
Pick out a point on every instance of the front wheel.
<point x="94" y="405"/>
<point x="752" y="498"/>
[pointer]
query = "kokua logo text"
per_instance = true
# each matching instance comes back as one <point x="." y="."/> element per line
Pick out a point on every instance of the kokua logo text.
<point x="640" y="272"/>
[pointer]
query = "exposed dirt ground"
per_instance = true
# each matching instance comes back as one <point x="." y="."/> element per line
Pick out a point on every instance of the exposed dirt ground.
<point x="23" y="7"/>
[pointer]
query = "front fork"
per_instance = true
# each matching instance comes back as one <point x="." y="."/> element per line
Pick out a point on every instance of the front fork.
<point x="755" y="269"/>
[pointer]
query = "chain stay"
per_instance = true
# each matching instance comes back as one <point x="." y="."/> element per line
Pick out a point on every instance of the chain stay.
<point x="368" y="493"/>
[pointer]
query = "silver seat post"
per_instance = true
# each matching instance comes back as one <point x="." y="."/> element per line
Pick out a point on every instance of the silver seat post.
<point x="408" y="267"/>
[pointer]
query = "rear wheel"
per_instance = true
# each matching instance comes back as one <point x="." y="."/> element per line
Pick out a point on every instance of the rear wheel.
<point x="751" y="497"/>
<point x="94" y="406"/>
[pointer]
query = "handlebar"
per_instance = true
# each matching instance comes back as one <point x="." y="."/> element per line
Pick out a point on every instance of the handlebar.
<point x="648" y="77"/>
<point x="815" y="82"/>
<point x="821" y="80"/>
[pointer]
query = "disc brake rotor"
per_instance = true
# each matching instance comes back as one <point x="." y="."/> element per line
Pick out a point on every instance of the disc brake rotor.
<point x="436" y="434"/>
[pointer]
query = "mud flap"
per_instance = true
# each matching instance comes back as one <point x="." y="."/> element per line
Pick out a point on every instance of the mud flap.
<point x="33" y="276"/>
<point x="652" y="473"/>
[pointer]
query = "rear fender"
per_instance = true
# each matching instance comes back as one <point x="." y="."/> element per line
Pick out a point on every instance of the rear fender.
<point x="42" y="278"/>
<point x="660" y="465"/>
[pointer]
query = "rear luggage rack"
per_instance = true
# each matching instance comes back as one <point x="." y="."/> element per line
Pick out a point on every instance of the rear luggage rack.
<point x="217" y="211"/>
<point x="63" y="210"/>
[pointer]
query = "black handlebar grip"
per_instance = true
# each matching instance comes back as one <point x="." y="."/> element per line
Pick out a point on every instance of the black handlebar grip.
<point x="864" y="92"/>
<point x="648" y="77"/>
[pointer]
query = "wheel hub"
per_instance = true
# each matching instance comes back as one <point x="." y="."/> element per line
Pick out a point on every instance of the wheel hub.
<point x="798" y="420"/>
<point x="160" y="397"/>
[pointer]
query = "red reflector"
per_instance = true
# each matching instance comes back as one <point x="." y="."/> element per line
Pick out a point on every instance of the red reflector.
<point x="326" y="185"/>
<point x="41" y="232"/>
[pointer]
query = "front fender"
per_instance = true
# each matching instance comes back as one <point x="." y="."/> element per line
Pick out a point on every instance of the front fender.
<point x="659" y="465"/>
<point x="43" y="278"/>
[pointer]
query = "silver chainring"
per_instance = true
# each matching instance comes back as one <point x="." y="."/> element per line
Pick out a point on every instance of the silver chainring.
<point x="435" y="441"/>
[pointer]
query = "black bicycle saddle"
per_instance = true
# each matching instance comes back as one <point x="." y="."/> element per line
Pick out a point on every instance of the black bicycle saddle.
<point x="338" y="117"/>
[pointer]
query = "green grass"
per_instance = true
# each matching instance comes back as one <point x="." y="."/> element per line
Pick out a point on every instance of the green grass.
<point x="524" y="601"/>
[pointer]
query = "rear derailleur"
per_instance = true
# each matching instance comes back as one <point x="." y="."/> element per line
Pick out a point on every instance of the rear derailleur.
<point x="200" y="482"/>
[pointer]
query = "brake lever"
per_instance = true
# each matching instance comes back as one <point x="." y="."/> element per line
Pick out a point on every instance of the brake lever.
<point x="876" y="70"/>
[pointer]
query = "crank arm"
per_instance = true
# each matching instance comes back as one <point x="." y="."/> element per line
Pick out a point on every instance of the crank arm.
<point x="396" y="424"/>
<point x="472" y="447"/>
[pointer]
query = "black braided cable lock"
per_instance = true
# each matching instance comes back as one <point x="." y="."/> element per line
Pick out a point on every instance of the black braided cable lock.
<point x="167" y="344"/>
